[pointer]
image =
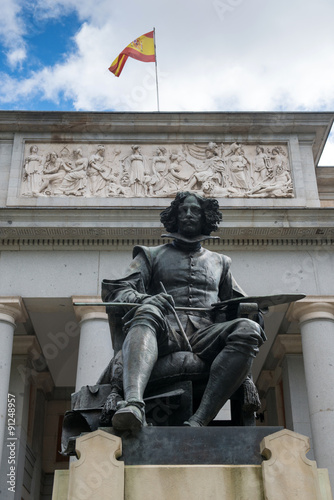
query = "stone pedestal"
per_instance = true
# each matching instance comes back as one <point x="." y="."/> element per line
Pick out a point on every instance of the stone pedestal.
<point x="213" y="445"/>
<point x="95" y="349"/>
<point x="288" y="473"/>
<point x="98" y="474"/>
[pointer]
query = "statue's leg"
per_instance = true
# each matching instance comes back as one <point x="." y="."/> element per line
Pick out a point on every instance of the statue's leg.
<point x="140" y="353"/>
<point x="228" y="371"/>
<point x="236" y="345"/>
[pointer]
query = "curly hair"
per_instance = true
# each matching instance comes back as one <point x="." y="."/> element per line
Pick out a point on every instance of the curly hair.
<point x="210" y="206"/>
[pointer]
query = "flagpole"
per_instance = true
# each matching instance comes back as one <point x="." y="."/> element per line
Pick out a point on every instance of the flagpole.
<point x="156" y="69"/>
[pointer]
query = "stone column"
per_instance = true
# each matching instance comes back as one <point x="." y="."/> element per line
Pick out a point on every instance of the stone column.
<point x="24" y="380"/>
<point x="95" y="348"/>
<point x="12" y="310"/>
<point x="316" y="319"/>
<point x="283" y="407"/>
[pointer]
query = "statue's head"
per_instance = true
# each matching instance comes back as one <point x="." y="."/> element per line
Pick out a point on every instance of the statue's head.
<point x="100" y="150"/>
<point x="191" y="215"/>
<point x="52" y="157"/>
<point x="211" y="150"/>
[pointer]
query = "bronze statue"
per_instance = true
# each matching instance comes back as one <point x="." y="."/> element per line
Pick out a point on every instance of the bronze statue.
<point x="181" y="275"/>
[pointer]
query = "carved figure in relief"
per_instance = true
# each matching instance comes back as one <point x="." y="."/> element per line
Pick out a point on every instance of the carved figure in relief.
<point x="261" y="165"/>
<point x="138" y="181"/>
<point x="217" y="163"/>
<point x="111" y="176"/>
<point x="239" y="168"/>
<point x="124" y="188"/>
<point x="97" y="184"/>
<point x="111" y="182"/>
<point x="75" y="179"/>
<point x="279" y="184"/>
<point x="213" y="168"/>
<point x="283" y="181"/>
<point x="173" y="179"/>
<point x="53" y="173"/>
<point x="32" y="172"/>
<point x="159" y="170"/>
<point x="210" y="169"/>
<point x="278" y="158"/>
<point x="211" y="188"/>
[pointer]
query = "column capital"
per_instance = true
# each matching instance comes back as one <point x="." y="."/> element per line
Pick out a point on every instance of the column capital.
<point x="84" y="313"/>
<point x="286" y="344"/>
<point x="25" y="344"/>
<point x="28" y="346"/>
<point x="312" y="308"/>
<point x="12" y="310"/>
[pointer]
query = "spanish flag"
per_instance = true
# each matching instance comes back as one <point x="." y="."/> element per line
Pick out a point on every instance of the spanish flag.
<point x="141" y="48"/>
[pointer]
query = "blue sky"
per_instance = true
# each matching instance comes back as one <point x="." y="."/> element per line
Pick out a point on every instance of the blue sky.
<point x="213" y="55"/>
<point x="48" y="43"/>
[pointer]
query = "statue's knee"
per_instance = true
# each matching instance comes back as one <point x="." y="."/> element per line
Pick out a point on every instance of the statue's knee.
<point x="148" y="315"/>
<point x="148" y="311"/>
<point x="248" y="324"/>
<point x="247" y="333"/>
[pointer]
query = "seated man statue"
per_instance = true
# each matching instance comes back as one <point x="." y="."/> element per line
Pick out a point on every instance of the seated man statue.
<point x="184" y="275"/>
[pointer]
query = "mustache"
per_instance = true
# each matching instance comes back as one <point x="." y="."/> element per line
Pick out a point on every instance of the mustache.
<point x="187" y="219"/>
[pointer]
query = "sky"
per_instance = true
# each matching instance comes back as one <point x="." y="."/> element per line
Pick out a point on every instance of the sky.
<point x="212" y="55"/>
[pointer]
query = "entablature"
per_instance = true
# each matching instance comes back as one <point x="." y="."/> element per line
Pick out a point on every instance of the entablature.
<point x="114" y="228"/>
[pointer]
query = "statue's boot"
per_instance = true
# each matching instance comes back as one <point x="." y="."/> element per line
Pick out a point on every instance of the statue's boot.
<point x="140" y="353"/>
<point x="228" y="371"/>
<point x="129" y="416"/>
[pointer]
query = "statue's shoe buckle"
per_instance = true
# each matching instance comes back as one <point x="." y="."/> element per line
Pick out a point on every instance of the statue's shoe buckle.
<point x="130" y="417"/>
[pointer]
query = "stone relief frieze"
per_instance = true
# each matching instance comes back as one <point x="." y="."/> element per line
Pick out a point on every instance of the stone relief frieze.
<point x="220" y="170"/>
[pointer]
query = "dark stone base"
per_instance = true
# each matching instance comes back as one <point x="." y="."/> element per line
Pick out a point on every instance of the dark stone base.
<point x="193" y="446"/>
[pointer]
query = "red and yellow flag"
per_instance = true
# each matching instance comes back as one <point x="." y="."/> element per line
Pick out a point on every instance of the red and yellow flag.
<point x="141" y="48"/>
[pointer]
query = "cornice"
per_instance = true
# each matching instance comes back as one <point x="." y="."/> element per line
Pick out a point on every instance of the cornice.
<point x="104" y="228"/>
<point x="20" y="120"/>
<point x="108" y="217"/>
<point x="188" y="124"/>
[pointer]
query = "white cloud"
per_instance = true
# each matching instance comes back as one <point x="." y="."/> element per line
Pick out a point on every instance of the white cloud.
<point x="16" y="56"/>
<point x="259" y="55"/>
<point x="226" y="55"/>
<point x="10" y="24"/>
<point x="12" y="30"/>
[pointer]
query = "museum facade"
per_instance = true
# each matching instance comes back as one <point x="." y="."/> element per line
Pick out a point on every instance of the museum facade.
<point x="79" y="190"/>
